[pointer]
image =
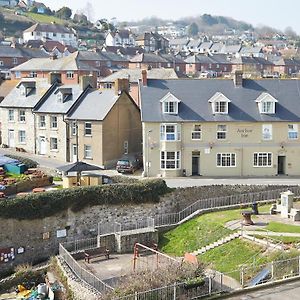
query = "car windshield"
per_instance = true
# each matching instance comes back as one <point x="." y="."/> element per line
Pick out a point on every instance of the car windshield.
<point x="123" y="163"/>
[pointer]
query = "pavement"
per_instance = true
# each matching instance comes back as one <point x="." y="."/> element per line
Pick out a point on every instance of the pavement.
<point x="285" y="291"/>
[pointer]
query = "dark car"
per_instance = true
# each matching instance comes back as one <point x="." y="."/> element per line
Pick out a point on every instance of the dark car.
<point x="128" y="164"/>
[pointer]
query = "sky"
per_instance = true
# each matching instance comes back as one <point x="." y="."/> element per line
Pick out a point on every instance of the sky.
<point x="275" y="13"/>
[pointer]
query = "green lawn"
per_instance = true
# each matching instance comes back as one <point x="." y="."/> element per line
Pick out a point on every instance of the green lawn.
<point x="280" y="227"/>
<point x="278" y="238"/>
<point x="45" y="18"/>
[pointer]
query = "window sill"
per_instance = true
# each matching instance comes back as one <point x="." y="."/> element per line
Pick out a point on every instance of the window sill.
<point x="54" y="150"/>
<point x="88" y="135"/>
<point x="23" y="143"/>
<point x="88" y="158"/>
<point x="54" y="129"/>
<point x="42" y="128"/>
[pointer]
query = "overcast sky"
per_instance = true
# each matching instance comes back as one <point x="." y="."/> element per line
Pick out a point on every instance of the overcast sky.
<point x="275" y="13"/>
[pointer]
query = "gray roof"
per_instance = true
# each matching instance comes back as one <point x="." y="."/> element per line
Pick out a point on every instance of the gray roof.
<point x="251" y="50"/>
<point x="227" y="49"/>
<point x="179" y="42"/>
<point x="216" y="47"/>
<point x="51" y="104"/>
<point x="136" y="74"/>
<point x="194" y="43"/>
<point x="67" y="63"/>
<point x="148" y="58"/>
<point x="195" y="94"/>
<point x="19" y="52"/>
<point x="56" y="28"/>
<point x="101" y="102"/>
<point x="15" y="99"/>
<point x="113" y="57"/>
<point x="205" y="45"/>
<point x="200" y="59"/>
<point x="220" y="58"/>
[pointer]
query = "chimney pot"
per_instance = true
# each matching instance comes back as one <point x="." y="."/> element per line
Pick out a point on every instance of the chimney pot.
<point x="238" y="78"/>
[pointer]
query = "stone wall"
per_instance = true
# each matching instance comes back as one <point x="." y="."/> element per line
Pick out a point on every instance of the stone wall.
<point x="39" y="237"/>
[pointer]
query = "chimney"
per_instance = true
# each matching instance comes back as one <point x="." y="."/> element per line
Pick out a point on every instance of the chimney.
<point x="86" y="80"/>
<point x="53" y="56"/>
<point x="54" y="77"/>
<point x="144" y="77"/>
<point x="238" y="78"/>
<point x="121" y="85"/>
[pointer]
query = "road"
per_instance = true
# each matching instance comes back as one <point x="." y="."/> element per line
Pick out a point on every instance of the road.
<point x="281" y="292"/>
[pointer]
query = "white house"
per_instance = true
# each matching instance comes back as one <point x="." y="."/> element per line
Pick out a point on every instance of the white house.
<point x="122" y="38"/>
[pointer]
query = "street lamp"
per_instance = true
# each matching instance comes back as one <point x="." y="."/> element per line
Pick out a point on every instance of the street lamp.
<point x="147" y="145"/>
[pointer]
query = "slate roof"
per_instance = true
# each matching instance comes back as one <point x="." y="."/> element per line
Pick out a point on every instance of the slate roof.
<point x="220" y="58"/>
<point x="20" y="52"/>
<point x="136" y="74"/>
<point x="15" y="99"/>
<point x="250" y="50"/>
<point x="148" y="58"/>
<point x="56" y="28"/>
<point x="199" y="59"/>
<point x="50" y="104"/>
<point x="230" y="49"/>
<point x="194" y="43"/>
<point x="179" y="42"/>
<point x="113" y="57"/>
<point x="195" y="94"/>
<point x="216" y="47"/>
<point x="101" y="102"/>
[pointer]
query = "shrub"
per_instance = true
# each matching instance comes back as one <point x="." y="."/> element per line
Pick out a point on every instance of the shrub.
<point x="24" y="160"/>
<point x="41" y="205"/>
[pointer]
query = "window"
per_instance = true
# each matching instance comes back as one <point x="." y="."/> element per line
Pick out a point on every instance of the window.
<point x="88" y="128"/>
<point x="1" y="63"/>
<point x="22" y="137"/>
<point x="170" y="160"/>
<point x="15" y="61"/>
<point x="54" y="33"/>
<point x="97" y="63"/>
<point x="262" y="159"/>
<point x="74" y="128"/>
<point x="226" y="160"/>
<point x="22" y="117"/>
<point x="125" y="147"/>
<point x="221" y="107"/>
<point x="42" y="122"/>
<point x="11" y="115"/>
<point x="23" y="90"/>
<point x="170" y="132"/>
<point x="33" y="74"/>
<point x="70" y="75"/>
<point x="293" y="131"/>
<point x="17" y="74"/>
<point x="170" y="107"/>
<point x="53" y="143"/>
<point x="196" y="133"/>
<point x="53" y="123"/>
<point x="221" y="132"/>
<point x="60" y="97"/>
<point x="267" y="107"/>
<point x="267" y="131"/>
<point x="88" y="151"/>
<point x="108" y="85"/>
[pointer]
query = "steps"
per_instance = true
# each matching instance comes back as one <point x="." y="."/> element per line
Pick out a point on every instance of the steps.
<point x="218" y="243"/>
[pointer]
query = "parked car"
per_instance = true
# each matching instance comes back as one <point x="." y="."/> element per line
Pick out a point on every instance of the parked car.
<point x="129" y="164"/>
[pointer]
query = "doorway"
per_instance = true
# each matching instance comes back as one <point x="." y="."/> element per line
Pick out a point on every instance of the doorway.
<point x="74" y="152"/>
<point x="42" y="145"/>
<point x="11" y="138"/>
<point x="281" y="165"/>
<point x="195" y="163"/>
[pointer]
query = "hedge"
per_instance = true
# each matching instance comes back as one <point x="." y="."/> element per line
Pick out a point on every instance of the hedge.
<point x="41" y="205"/>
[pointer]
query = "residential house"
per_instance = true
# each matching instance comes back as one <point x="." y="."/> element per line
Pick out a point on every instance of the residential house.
<point x="122" y="38"/>
<point x="54" y="32"/>
<point x="216" y="48"/>
<point x="285" y="66"/>
<point x="133" y="76"/>
<point x="127" y="52"/>
<point x="179" y="44"/>
<point x="108" y="131"/>
<point x="152" y="41"/>
<point x="232" y="50"/>
<point x="175" y="62"/>
<point x="8" y="3"/>
<point x="225" y="127"/>
<point x="251" y="51"/>
<point x="198" y="63"/>
<point x="148" y="61"/>
<point x="222" y="65"/>
<point x="193" y="46"/>
<point x="68" y="69"/>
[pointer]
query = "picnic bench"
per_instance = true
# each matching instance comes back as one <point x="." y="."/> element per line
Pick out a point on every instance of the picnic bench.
<point x="96" y="252"/>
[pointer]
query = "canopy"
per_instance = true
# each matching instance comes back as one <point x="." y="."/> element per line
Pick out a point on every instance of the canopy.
<point x="78" y="167"/>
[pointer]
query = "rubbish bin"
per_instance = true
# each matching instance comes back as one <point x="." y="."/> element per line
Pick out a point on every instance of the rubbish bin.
<point x="255" y="208"/>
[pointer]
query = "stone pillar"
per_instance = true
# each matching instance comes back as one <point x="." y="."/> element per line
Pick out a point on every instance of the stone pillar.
<point x="287" y="199"/>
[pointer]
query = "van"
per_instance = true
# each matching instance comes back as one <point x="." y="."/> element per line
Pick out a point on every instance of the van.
<point x="128" y="164"/>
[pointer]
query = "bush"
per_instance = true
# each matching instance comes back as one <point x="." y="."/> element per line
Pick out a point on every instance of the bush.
<point x="41" y="205"/>
<point x="26" y="161"/>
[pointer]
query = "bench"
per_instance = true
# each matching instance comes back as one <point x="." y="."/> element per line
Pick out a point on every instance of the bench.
<point x="96" y="252"/>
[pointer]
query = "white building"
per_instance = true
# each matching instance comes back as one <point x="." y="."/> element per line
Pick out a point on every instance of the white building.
<point x="10" y="3"/>
<point x="122" y="38"/>
<point x="53" y="32"/>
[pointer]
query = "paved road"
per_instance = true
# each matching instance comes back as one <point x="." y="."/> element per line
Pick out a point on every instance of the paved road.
<point x="285" y="291"/>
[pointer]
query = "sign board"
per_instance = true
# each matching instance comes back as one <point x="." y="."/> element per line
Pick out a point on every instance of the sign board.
<point x="61" y="233"/>
<point x="7" y="255"/>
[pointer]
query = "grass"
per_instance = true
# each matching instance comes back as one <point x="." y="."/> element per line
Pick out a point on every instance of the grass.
<point x="281" y="227"/>
<point x="45" y="18"/>
<point x="279" y="238"/>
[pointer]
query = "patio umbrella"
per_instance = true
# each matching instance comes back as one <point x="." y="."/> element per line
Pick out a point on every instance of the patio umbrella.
<point x="78" y="167"/>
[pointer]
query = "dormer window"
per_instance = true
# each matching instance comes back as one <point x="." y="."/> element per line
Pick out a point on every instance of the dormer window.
<point x="63" y="94"/>
<point x="170" y="104"/>
<point x="26" y="88"/>
<point x="60" y="97"/>
<point x="23" y="90"/>
<point x="219" y="103"/>
<point x="266" y="103"/>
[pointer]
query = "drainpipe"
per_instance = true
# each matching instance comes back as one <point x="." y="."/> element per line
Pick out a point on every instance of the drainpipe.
<point x="34" y="131"/>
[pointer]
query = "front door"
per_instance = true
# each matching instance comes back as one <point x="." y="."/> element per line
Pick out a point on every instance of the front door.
<point x="195" y="165"/>
<point x="281" y="165"/>
<point x="74" y="152"/>
<point x="11" y="138"/>
<point x="42" y="145"/>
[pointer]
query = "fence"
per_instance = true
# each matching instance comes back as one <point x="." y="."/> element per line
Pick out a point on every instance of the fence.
<point x="82" y="273"/>
<point x="84" y="244"/>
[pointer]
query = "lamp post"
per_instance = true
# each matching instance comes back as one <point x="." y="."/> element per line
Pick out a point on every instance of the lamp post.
<point x="147" y="145"/>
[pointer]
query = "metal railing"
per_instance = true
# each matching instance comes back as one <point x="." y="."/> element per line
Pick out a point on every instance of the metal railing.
<point x="82" y="273"/>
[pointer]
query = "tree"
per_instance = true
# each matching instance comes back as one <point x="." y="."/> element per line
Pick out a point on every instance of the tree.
<point x="290" y="32"/>
<point x="64" y="13"/>
<point x="193" y="29"/>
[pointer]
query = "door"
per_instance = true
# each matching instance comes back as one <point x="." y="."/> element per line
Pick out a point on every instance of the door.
<point x="74" y="152"/>
<point x="281" y="165"/>
<point x="42" y="145"/>
<point x="195" y="165"/>
<point x="11" y="138"/>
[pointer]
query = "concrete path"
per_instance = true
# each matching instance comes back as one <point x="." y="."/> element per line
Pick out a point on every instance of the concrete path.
<point x="270" y="233"/>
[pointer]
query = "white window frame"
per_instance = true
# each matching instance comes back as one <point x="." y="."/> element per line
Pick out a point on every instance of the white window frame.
<point x="53" y="142"/>
<point x="33" y="74"/>
<point x="87" y="129"/>
<point x="22" y="136"/>
<point x="15" y="60"/>
<point x="53" y="122"/>
<point x="88" y="152"/>
<point x="42" y="121"/>
<point x="22" y="116"/>
<point x="262" y="159"/>
<point x="226" y="160"/>
<point x="170" y="107"/>
<point x="221" y="107"/>
<point x="74" y="128"/>
<point x="70" y="75"/>
<point x="166" y="161"/>
<point x="267" y="132"/>
<point x="219" y="132"/>
<point x="267" y="107"/>
<point x="293" y="132"/>
<point x="166" y="134"/>
<point x="197" y="130"/>
<point x="11" y="115"/>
